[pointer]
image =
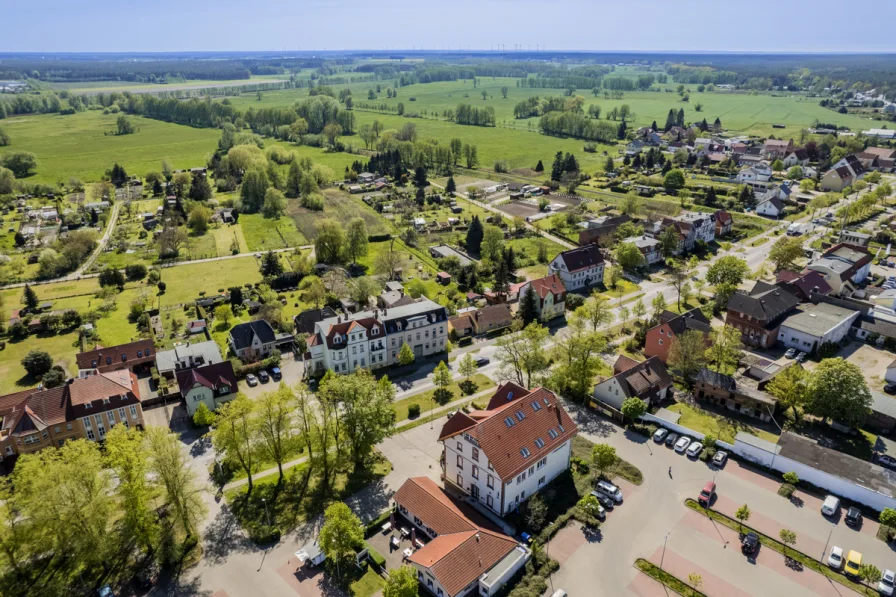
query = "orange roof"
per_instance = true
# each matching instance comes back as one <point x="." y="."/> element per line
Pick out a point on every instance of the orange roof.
<point x="457" y="560"/>
<point x="549" y="284"/>
<point x="428" y="502"/>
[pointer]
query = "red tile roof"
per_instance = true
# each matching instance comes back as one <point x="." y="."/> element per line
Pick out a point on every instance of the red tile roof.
<point x="506" y="392"/>
<point x="504" y="435"/>
<point x="549" y="284"/>
<point x="110" y="358"/>
<point x="429" y="503"/>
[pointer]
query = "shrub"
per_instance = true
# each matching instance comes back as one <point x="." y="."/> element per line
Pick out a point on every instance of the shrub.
<point x="413" y="411"/>
<point x="574" y="301"/>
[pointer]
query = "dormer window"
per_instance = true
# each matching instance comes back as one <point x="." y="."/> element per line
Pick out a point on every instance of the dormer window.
<point x="124" y="357"/>
<point x="519" y="415"/>
<point x="106" y="401"/>
<point x="525" y="452"/>
<point x="147" y="352"/>
<point x="93" y="363"/>
<point x="539" y="443"/>
<point x="375" y="331"/>
<point x="139" y="354"/>
<point x="108" y="360"/>
<point x="536" y="406"/>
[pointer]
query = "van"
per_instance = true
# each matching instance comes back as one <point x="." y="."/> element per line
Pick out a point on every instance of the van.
<point x="853" y="563"/>
<point x="608" y="489"/>
<point x="831" y="506"/>
<point x="559" y="593"/>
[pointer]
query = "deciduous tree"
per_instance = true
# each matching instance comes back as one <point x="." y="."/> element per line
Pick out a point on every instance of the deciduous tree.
<point x="725" y="351"/>
<point x="401" y="582"/>
<point x="341" y="532"/>
<point x="790" y="387"/>
<point x="837" y="390"/>
<point x="603" y="456"/>
<point x="687" y="353"/>
<point x="521" y="353"/>
<point x="235" y="435"/>
<point x="329" y="246"/>
<point x="276" y="429"/>
<point x="785" y="252"/>
<point x="356" y="239"/>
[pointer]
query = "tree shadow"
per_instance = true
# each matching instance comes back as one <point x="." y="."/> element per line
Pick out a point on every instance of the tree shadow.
<point x="224" y="537"/>
<point x="172" y="584"/>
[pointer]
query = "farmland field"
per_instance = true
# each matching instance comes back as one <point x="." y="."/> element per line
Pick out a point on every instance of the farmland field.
<point x="263" y="233"/>
<point x="76" y="146"/>
<point x="339" y="206"/>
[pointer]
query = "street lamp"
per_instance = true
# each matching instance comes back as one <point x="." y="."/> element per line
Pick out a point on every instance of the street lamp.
<point x="267" y="512"/>
<point x="662" y="557"/>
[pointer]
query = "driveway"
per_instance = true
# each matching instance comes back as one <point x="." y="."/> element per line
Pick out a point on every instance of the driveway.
<point x="292" y="371"/>
<point x="653" y="523"/>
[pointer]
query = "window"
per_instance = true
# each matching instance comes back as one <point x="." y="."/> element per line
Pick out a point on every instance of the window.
<point x="509" y="422"/>
<point x="661" y="341"/>
<point x="134" y="412"/>
<point x="490" y="482"/>
<point x="536" y="406"/>
<point x="476" y="454"/>
<point x="541" y="482"/>
<point x="460" y="462"/>
<point x="147" y="352"/>
<point x="124" y="357"/>
<point x="490" y="467"/>
<point x="525" y="452"/>
<point x="539" y="443"/>
<point x="460" y="481"/>
<point x="32" y="439"/>
<point x="531" y="470"/>
<point x="475" y="472"/>
<point x="553" y="433"/>
<point x="460" y="447"/>
<point x="354" y="350"/>
<point x="562" y="430"/>
<point x="93" y="363"/>
<point x="100" y="428"/>
<point x="519" y="415"/>
<point x="68" y="426"/>
<point x="490" y="502"/>
<point x="108" y="360"/>
<point x="89" y="429"/>
<point x="542" y="462"/>
<point x="57" y="429"/>
<point x="111" y="416"/>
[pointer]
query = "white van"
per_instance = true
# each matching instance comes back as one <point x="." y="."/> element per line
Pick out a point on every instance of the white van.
<point x="831" y="506"/>
<point x="559" y="593"/>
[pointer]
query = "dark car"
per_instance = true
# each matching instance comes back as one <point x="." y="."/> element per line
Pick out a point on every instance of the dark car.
<point x="854" y="517"/>
<point x="482" y="362"/>
<point x="263" y="376"/>
<point x="890" y="388"/>
<point x="605" y="501"/>
<point x="750" y="543"/>
<point x="276" y="374"/>
<point x="671" y="439"/>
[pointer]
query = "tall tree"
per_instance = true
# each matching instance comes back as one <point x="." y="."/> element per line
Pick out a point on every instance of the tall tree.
<point x="341" y="533"/>
<point x="475" y="234"/>
<point x="687" y="353"/>
<point x="725" y="350"/>
<point x="441" y="379"/>
<point x="595" y="312"/>
<point x="790" y="387"/>
<point x="329" y="246"/>
<point x="274" y="204"/>
<point x="29" y="298"/>
<point x="127" y="454"/>
<point x="356" y="239"/>
<point x="522" y="353"/>
<point x="402" y="581"/>
<point x="492" y="242"/>
<point x="276" y="429"/>
<point x="727" y="270"/>
<point x="235" y="434"/>
<point x="837" y="390"/>
<point x="785" y="252"/>
<point x="669" y="239"/>
<point x="678" y="276"/>
<point x="578" y="355"/>
<point x="528" y="309"/>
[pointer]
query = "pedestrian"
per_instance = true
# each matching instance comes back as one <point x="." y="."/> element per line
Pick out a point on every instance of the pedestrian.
<point x="670" y="472"/>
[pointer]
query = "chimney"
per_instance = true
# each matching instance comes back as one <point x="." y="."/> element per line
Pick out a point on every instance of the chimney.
<point x="477" y="541"/>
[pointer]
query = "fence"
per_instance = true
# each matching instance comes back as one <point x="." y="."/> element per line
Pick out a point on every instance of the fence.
<point x="769" y="456"/>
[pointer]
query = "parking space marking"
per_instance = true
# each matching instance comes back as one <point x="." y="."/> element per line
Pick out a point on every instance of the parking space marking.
<point x="645" y="586"/>
<point x="681" y="567"/>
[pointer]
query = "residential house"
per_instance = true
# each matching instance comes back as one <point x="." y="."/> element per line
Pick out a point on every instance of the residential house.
<point x="550" y="295"/>
<point x="775" y="149"/>
<point x="491" y="318"/>
<point x="659" y="338"/>
<point x="648" y="380"/>
<point x="804" y="284"/>
<point x="462" y="556"/>
<point x="306" y="319"/>
<point x="844" y="267"/>
<point x="649" y="247"/>
<point x="366" y="177"/>
<point x="703" y="225"/>
<point x="634" y="147"/>
<point x="197" y="326"/>
<point x="461" y="326"/>
<point x="739" y="394"/>
<point x="854" y="237"/>
<point x="211" y="385"/>
<point x="444" y="251"/>
<point x="757" y="173"/>
<point x="392" y="296"/>
<point x="187" y="356"/>
<point x="883" y="413"/>
<point x="837" y="179"/>
<point x="373" y="339"/>
<point x="84" y="408"/>
<point x="133" y="355"/>
<point x="816" y="325"/>
<point x="724" y="222"/>
<point x="600" y="231"/>
<point x="253" y="340"/>
<point x="503" y="455"/>
<point x="579" y="268"/>
<point x="797" y="157"/>
<point x="878" y="158"/>
<point x="771" y="207"/>
<point x="758" y="314"/>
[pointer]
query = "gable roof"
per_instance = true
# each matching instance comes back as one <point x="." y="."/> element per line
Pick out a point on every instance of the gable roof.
<point x="504" y="431"/>
<point x="243" y="334"/>
<point x="493" y="314"/>
<point x="548" y="285"/>
<point x="582" y="258"/>
<point x="306" y="319"/>
<point x="208" y="351"/>
<point x="212" y="377"/>
<point x="644" y="380"/>
<point x="689" y="320"/>
<point x="425" y="499"/>
<point x="812" y="282"/>
<point x="106" y="358"/>
<point x="506" y="392"/>
<point x="765" y="302"/>
<point x="723" y="218"/>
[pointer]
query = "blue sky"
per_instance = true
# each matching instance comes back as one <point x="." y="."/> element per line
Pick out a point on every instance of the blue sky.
<point x="628" y="25"/>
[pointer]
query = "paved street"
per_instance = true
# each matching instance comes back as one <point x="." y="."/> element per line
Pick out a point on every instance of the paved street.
<point x="654" y="514"/>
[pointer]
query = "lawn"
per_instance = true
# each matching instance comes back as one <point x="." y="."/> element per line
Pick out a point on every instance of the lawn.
<point x="425" y="399"/>
<point x="77" y="146"/>
<point x="724" y="428"/>
<point x="224" y="236"/>
<point x="13" y="377"/>
<point x="367" y="585"/>
<point x="184" y="282"/>
<point x="339" y="206"/>
<point x="262" y="234"/>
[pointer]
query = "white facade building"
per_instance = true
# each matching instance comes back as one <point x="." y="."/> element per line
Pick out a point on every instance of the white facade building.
<point x="503" y="455"/>
<point x="579" y="268"/>
<point x="373" y="339"/>
<point x="815" y="326"/>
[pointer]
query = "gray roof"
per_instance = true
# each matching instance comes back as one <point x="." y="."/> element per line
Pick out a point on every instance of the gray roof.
<point x="835" y="265"/>
<point x="243" y="333"/>
<point x="642" y="242"/>
<point x="166" y="359"/>
<point x="883" y="404"/>
<point x="817" y="320"/>
<point x="443" y="251"/>
<point x="668" y="415"/>
<point x="422" y="308"/>
<point x="765" y="302"/>
<point x="757" y="442"/>
<point x="860" y="472"/>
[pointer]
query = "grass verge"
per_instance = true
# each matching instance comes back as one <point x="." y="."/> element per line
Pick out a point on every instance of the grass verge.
<point x="581" y="448"/>
<point x="426" y="399"/>
<point x="673" y="582"/>
<point x="787" y="552"/>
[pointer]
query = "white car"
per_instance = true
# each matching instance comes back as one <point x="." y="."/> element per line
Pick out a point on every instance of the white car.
<point x="835" y="559"/>
<point x="694" y="449"/>
<point x="608" y="489"/>
<point x="682" y="444"/>
<point x="885" y="586"/>
<point x="660" y="434"/>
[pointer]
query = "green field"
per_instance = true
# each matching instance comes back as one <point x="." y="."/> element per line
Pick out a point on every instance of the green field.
<point x="262" y="233"/>
<point x="76" y="146"/>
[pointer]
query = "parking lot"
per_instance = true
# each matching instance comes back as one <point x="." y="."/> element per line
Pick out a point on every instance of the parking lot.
<point x="653" y="523"/>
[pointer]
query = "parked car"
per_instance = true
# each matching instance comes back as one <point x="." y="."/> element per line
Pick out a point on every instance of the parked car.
<point x="831" y="505"/>
<point x="694" y="449"/>
<point x="610" y="490"/>
<point x="559" y="593"/>
<point x="601" y="513"/>
<point x="276" y="374"/>
<point x="720" y="458"/>
<point x="482" y="361"/>
<point x="886" y="584"/>
<point x="853" y="563"/>
<point x="835" y="559"/>
<point x="660" y="435"/>
<point x="311" y="555"/>
<point x="890" y="388"/>
<point x="147" y="576"/>
<point x="671" y="439"/>
<point x="605" y="501"/>
<point x="263" y="376"/>
<point x="251" y="380"/>
<point x="791" y="352"/>
<point x="706" y="494"/>
<point x="887" y="461"/>
<point x="853" y="516"/>
<point x="801" y="357"/>
<point x="750" y="543"/>
<point x="682" y="444"/>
